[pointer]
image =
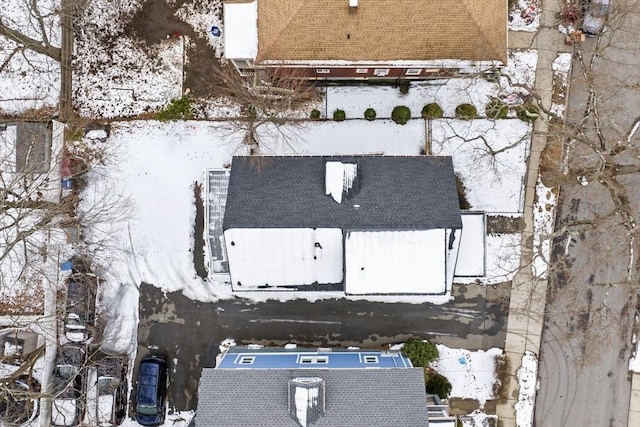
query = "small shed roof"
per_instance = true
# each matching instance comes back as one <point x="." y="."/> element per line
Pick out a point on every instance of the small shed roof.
<point x="410" y="193"/>
<point x="353" y="397"/>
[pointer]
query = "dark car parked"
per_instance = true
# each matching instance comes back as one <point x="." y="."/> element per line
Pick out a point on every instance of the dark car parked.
<point x="68" y="386"/>
<point x="152" y="390"/>
<point x="111" y="390"/>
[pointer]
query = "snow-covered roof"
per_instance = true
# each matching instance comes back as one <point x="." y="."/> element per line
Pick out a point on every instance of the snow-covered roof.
<point x="394" y="192"/>
<point x="268" y="257"/>
<point x="400" y="262"/>
<point x="241" y="30"/>
<point x="353" y="397"/>
<point x="472" y="246"/>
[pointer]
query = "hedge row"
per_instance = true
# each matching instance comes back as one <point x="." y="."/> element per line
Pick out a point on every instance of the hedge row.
<point x="401" y="114"/>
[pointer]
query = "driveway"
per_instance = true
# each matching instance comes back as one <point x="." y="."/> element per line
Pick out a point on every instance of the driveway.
<point x="189" y="332"/>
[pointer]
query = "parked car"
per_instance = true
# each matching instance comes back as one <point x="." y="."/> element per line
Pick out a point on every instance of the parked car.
<point x="80" y="307"/>
<point x="111" y="390"/>
<point x="595" y="13"/>
<point x="68" y="386"/>
<point x="152" y="390"/>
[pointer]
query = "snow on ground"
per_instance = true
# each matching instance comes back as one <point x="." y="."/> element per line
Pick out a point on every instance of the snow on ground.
<point x="490" y="158"/>
<point x="125" y="79"/>
<point x="561" y="67"/>
<point x="28" y="80"/>
<point x="472" y="374"/>
<point x="527" y="378"/>
<point x="155" y="164"/>
<point x="525" y="16"/>
<point x="448" y="93"/>
<point x="543" y="222"/>
<point x="202" y="16"/>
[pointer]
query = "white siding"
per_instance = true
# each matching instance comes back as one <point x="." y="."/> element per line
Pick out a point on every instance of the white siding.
<point x="411" y="262"/>
<point x="284" y="256"/>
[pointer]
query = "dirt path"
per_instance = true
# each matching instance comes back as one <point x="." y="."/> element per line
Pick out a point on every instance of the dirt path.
<point x="156" y="21"/>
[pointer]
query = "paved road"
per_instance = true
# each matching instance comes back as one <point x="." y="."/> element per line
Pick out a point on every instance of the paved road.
<point x="189" y="332"/>
<point x="586" y="341"/>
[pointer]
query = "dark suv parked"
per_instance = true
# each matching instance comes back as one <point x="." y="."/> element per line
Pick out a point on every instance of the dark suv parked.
<point x="152" y="389"/>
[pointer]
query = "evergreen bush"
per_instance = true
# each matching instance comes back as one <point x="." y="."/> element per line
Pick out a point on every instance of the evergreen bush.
<point x="437" y="384"/>
<point x="315" y="114"/>
<point x="401" y="114"/>
<point x="177" y="109"/>
<point x="421" y="353"/>
<point x="496" y="109"/>
<point x="432" y="111"/>
<point x="339" y="115"/>
<point x="466" y="111"/>
<point x="528" y="112"/>
<point x="370" y="114"/>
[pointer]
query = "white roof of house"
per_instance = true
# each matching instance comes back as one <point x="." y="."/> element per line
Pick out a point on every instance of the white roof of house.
<point x="241" y="30"/>
<point x="472" y="247"/>
<point x="406" y="262"/>
<point x="284" y="256"/>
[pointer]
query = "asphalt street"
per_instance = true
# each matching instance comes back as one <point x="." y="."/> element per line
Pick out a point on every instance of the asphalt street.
<point x="586" y="341"/>
<point x="190" y="332"/>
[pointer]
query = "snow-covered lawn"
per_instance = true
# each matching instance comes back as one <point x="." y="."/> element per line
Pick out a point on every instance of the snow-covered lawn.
<point x="472" y="373"/>
<point x="154" y="166"/>
<point x="448" y="93"/>
<point x="28" y="80"/>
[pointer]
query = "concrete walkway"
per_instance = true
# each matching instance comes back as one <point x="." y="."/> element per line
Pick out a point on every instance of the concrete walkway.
<point x="528" y="294"/>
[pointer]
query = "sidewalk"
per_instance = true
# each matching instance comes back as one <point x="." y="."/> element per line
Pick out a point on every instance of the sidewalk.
<point x="528" y="294"/>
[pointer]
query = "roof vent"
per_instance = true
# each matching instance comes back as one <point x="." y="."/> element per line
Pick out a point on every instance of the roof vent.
<point x="341" y="180"/>
<point x="306" y="400"/>
<point x="353" y="7"/>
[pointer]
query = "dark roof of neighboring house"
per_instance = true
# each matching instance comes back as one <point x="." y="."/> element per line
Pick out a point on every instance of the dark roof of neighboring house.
<point x="382" y="30"/>
<point x="411" y="193"/>
<point x="353" y="397"/>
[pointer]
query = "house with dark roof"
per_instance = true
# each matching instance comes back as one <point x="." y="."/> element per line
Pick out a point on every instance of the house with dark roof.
<point x="364" y="225"/>
<point x="312" y="387"/>
<point x="366" y="39"/>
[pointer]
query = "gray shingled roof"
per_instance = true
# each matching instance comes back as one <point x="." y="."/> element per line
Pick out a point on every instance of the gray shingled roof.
<point x="354" y="397"/>
<point x="395" y="193"/>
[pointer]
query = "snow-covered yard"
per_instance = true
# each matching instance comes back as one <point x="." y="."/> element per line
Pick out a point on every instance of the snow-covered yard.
<point x="29" y="80"/>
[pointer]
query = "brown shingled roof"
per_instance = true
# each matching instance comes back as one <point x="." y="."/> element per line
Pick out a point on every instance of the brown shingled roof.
<point x="382" y="30"/>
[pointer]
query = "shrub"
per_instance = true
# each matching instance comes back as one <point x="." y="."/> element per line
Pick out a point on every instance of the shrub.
<point x="432" y="111"/>
<point x="404" y="87"/>
<point x="315" y="114"/>
<point x="492" y="76"/>
<point x="401" y="114"/>
<point x="339" y="115"/>
<point x="177" y="109"/>
<point x="370" y="114"/>
<point x="437" y="384"/>
<point x="420" y="352"/>
<point x="496" y="109"/>
<point x="466" y="111"/>
<point x="528" y="112"/>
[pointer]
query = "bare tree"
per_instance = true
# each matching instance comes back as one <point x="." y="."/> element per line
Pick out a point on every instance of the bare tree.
<point x="266" y="99"/>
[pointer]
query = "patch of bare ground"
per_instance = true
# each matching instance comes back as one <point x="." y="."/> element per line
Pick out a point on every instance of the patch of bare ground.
<point x="156" y="21"/>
